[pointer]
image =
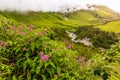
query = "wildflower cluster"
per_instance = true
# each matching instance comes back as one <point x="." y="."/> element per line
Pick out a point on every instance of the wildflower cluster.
<point x="44" y="57"/>
<point x="5" y="44"/>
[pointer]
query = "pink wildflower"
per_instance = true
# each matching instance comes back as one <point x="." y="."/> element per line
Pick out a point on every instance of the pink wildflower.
<point x="68" y="47"/>
<point x="44" y="57"/>
<point x="5" y="44"/>
<point x="22" y="33"/>
<point x="12" y="64"/>
<point x="13" y="28"/>
<point x="82" y="60"/>
<point x="59" y="75"/>
<point x="31" y="27"/>
<point x="41" y="53"/>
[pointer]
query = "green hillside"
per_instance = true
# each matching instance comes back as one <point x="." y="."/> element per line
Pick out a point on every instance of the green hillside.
<point x="38" y="46"/>
<point x="113" y="26"/>
<point x="104" y="12"/>
<point x="53" y="19"/>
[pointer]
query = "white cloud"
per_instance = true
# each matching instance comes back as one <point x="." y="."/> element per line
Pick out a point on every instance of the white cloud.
<point x="37" y="5"/>
<point x="113" y="4"/>
<point x="53" y="5"/>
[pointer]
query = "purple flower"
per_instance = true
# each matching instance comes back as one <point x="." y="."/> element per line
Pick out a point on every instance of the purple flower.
<point x="22" y="33"/>
<point x="68" y="47"/>
<point x="59" y="75"/>
<point x="44" y="57"/>
<point x="41" y="53"/>
<point x="5" y="44"/>
<point x="13" y="63"/>
<point x="31" y="27"/>
<point x="82" y="60"/>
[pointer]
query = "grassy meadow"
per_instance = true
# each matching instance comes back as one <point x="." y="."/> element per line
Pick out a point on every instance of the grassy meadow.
<point x="113" y="26"/>
<point x="36" y="46"/>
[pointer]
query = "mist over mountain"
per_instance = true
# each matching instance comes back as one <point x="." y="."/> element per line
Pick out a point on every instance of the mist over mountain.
<point x="39" y="5"/>
<point x="52" y="5"/>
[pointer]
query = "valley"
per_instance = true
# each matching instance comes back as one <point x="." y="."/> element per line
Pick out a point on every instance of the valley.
<point x="78" y="45"/>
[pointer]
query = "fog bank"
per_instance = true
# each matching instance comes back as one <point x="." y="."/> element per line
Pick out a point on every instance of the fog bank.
<point x="40" y="5"/>
<point x="53" y="5"/>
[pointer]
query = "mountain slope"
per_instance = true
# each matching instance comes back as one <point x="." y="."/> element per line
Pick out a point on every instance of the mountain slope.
<point x="55" y="19"/>
<point x="101" y="14"/>
<point x="36" y="45"/>
<point x="113" y="26"/>
<point x="104" y="12"/>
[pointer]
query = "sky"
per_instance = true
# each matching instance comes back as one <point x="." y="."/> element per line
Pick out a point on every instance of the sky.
<point x="54" y="5"/>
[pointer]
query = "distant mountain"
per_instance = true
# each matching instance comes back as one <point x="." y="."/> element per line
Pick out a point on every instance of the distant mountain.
<point x="93" y="15"/>
<point x="103" y="12"/>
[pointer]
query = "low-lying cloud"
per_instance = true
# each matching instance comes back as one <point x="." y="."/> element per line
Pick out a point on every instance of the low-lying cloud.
<point x="53" y="5"/>
<point x="39" y="5"/>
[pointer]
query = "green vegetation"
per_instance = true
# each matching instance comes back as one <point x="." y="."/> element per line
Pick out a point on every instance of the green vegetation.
<point x="97" y="37"/>
<point x="113" y="26"/>
<point x="105" y="13"/>
<point x="85" y="16"/>
<point x="36" y="46"/>
<point x="39" y="19"/>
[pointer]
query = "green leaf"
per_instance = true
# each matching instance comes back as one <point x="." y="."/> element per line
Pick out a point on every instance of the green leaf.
<point x="38" y="69"/>
<point x="32" y="46"/>
<point x="37" y="44"/>
<point x="51" y="63"/>
<point x="14" y="78"/>
<point x="17" y="49"/>
<point x="27" y="54"/>
<point x="29" y="61"/>
<point x="25" y="65"/>
<point x="35" y="59"/>
<point x="21" y="77"/>
<point x="50" y="72"/>
<point x="43" y="77"/>
<point x="58" y="70"/>
<point x="28" y="75"/>
<point x="8" y="71"/>
<point x="46" y="64"/>
<point x="10" y="43"/>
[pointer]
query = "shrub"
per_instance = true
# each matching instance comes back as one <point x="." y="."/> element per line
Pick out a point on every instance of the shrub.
<point x="98" y="38"/>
